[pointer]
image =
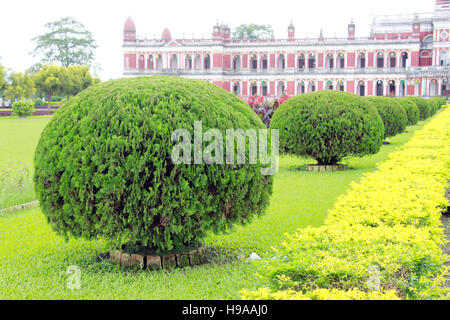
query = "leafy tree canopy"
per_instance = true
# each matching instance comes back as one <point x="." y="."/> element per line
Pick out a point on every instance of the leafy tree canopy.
<point x="67" y="42"/>
<point x="253" y="32"/>
<point x="20" y="86"/>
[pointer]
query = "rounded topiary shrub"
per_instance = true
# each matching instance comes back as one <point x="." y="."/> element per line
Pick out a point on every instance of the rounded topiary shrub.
<point x="393" y="115"/>
<point x="438" y="102"/>
<point x="328" y="126"/>
<point x="412" y="110"/>
<point x="22" y="108"/>
<point x="424" y="107"/>
<point x="103" y="165"/>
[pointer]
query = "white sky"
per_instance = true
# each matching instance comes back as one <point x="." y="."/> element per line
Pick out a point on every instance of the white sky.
<point x="22" y="20"/>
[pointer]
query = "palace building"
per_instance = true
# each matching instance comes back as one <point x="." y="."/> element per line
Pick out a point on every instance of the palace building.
<point x="404" y="55"/>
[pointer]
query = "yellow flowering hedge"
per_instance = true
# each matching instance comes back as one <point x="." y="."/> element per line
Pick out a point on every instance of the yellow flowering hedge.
<point x="382" y="240"/>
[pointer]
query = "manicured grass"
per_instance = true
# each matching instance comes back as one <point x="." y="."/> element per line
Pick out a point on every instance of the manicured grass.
<point x="33" y="260"/>
<point x="18" y="139"/>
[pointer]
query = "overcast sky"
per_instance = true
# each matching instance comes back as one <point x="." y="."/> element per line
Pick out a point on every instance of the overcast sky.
<point x="22" y="20"/>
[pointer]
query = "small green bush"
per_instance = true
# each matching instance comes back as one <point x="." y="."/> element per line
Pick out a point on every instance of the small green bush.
<point x="38" y="102"/>
<point x="412" y="110"/>
<point x="438" y="103"/>
<point x="103" y="165"/>
<point x="424" y="107"/>
<point x="393" y="115"/>
<point x="328" y="126"/>
<point x="22" y="108"/>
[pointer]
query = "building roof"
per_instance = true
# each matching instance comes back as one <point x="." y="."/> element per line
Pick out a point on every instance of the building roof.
<point x="166" y="35"/>
<point x="129" y="25"/>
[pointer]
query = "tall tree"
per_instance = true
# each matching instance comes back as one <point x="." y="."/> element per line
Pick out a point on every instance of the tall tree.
<point x="50" y="80"/>
<point x="252" y="32"/>
<point x="76" y="79"/>
<point x="67" y="42"/>
<point x="2" y="77"/>
<point x="20" y="86"/>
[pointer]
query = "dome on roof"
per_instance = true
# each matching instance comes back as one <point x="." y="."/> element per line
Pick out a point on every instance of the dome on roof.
<point x="129" y="25"/>
<point x="166" y="35"/>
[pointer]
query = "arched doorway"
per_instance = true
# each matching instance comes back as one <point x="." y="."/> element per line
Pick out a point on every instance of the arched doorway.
<point x="404" y="59"/>
<point x="159" y="62"/>
<point x="311" y="86"/>
<point x="281" y="62"/>
<point x="150" y="62"/>
<point x="280" y="89"/>
<point x="312" y="61"/>
<point x="361" y="88"/>
<point x="236" y="63"/>
<point x="198" y="62"/>
<point x="264" y="89"/>
<point x="380" y="60"/>
<point x="264" y="62"/>
<point x="433" y="88"/>
<point x="341" y="60"/>
<point x="340" y="85"/>
<point x="237" y="88"/>
<point x="253" y="62"/>
<point x="207" y="62"/>
<point x="301" y="88"/>
<point x="141" y="61"/>
<point x="330" y="85"/>
<point x="330" y="61"/>
<point x="362" y="60"/>
<point x="301" y="61"/>
<point x="402" y="88"/>
<point x="174" y="62"/>
<point x="392" y="88"/>
<point x="253" y="88"/>
<point x="392" y="60"/>
<point x="189" y="62"/>
<point x="379" y="88"/>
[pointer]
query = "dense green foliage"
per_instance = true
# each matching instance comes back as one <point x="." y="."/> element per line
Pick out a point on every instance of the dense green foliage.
<point x="103" y="165"/>
<point x="412" y="110"/>
<point x="437" y="103"/>
<point x="22" y="108"/>
<point x="20" y="86"/>
<point x="424" y="107"/>
<point x="392" y="113"/>
<point x="328" y="126"/>
<point x="252" y="32"/>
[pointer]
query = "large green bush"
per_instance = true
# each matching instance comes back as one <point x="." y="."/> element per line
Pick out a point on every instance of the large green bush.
<point x="437" y="102"/>
<point x="393" y="115"/>
<point x="328" y="126"/>
<point x="424" y="107"/>
<point x="412" y="110"/>
<point x="103" y="165"/>
<point x="22" y="108"/>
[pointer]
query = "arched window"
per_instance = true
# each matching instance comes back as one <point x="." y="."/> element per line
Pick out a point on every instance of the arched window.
<point x="141" y="61"/>
<point x="433" y="87"/>
<point x="426" y="58"/>
<point x="189" y="62"/>
<point x="159" y="62"/>
<point x="311" y="86"/>
<point x="311" y="61"/>
<point x="341" y="60"/>
<point x="340" y="85"/>
<point x="264" y="62"/>
<point x="361" y="88"/>
<point x="281" y="62"/>
<point x="207" y="62"/>
<point x="330" y="61"/>
<point x="280" y="90"/>
<point x="150" y="62"/>
<point x="392" y="88"/>
<point x="428" y="39"/>
<point x="301" y="88"/>
<point x="380" y="60"/>
<point x="402" y="88"/>
<point x="236" y="63"/>
<point x="379" y="90"/>
<point x="392" y="59"/>
<point x="404" y="59"/>
<point x="198" y="62"/>
<point x="254" y="88"/>
<point x="330" y="85"/>
<point x="362" y="60"/>
<point x="264" y="89"/>
<point x="301" y="61"/>
<point x="237" y="88"/>
<point x="174" y="62"/>
<point x="253" y="62"/>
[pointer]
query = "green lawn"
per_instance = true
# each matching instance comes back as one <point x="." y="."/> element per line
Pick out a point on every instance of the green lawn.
<point x="33" y="260"/>
<point x="18" y="139"/>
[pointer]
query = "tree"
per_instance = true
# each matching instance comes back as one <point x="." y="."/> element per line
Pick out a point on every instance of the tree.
<point x="50" y="80"/>
<point x="2" y="77"/>
<point x="20" y="86"/>
<point x="252" y="32"/>
<point x="77" y="78"/>
<point x="67" y="42"/>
